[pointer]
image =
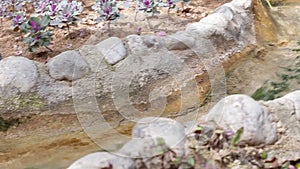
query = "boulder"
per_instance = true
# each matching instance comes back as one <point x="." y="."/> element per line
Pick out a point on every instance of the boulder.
<point x="171" y="131"/>
<point x="68" y="66"/>
<point x="17" y="74"/>
<point x="147" y="152"/>
<point x="101" y="160"/>
<point x="237" y="111"/>
<point x="285" y="111"/>
<point x="295" y="98"/>
<point x="112" y="49"/>
<point x="140" y="44"/>
<point x="179" y="41"/>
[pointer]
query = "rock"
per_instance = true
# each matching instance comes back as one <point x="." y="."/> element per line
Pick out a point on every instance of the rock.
<point x="245" y="4"/>
<point x="93" y="161"/>
<point x="68" y="66"/>
<point x="141" y="44"/>
<point x="92" y="56"/>
<point x="112" y="49"/>
<point x="143" y="147"/>
<point x="149" y="152"/>
<point x="237" y="111"/>
<point x="17" y="74"/>
<point x="171" y="131"/>
<point x="295" y="98"/>
<point x="101" y="160"/>
<point x="286" y="111"/>
<point x="179" y="41"/>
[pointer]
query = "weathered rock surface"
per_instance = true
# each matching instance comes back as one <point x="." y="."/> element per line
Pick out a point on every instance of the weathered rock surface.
<point x="295" y="98"/>
<point x="112" y="49"/>
<point x="101" y="160"/>
<point x="172" y="132"/>
<point x="68" y="66"/>
<point x="285" y="110"/>
<point x="179" y="41"/>
<point x="17" y="74"/>
<point x="237" y="111"/>
<point x="142" y="44"/>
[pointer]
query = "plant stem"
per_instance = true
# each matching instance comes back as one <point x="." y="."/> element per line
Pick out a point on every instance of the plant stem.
<point x="108" y="24"/>
<point x="269" y="4"/>
<point x="68" y="28"/>
<point x="49" y="48"/>
<point x="150" y="27"/>
<point x="135" y="15"/>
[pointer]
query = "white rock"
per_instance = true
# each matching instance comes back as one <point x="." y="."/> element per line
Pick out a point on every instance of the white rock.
<point x="68" y="65"/>
<point x="236" y="111"/>
<point x="295" y="98"/>
<point x="101" y="160"/>
<point x="179" y="41"/>
<point x="140" y="44"/>
<point x="246" y="4"/>
<point x="93" y="161"/>
<point x="112" y="49"/>
<point x="17" y="74"/>
<point x="170" y="130"/>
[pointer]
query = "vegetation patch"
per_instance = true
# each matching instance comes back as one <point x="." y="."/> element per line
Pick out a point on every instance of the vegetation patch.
<point x="275" y="89"/>
<point x="5" y="124"/>
<point x="22" y="102"/>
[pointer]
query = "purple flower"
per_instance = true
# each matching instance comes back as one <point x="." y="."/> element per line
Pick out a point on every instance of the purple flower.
<point x="170" y="2"/>
<point x="67" y="14"/>
<point x="17" y="19"/>
<point x="228" y="133"/>
<point x="107" y="10"/>
<point x="42" y="6"/>
<point x="53" y="7"/>
<point x="38" y="37"/>
<point x="146" y="3"/>
<point x="35" y="26"/>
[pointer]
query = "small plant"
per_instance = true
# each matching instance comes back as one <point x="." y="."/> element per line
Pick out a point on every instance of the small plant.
<point x="148" y="6"/>
<point x="62" y="12"/>
<point x="65" y="13"/>
<point x="36" y="33"/>
<point x="171" y="4"/>
<point x="107" y="10"/>
<point x="3" y="11"/>
<point x="18" y="20"/>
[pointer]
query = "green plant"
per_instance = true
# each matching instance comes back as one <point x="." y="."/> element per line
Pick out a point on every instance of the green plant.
<point x="269" y="3"/>
<point x="107" y="10"/>
<point x="37" y="34"/>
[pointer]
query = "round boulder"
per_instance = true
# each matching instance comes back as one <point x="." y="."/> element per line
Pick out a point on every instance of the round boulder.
<point x="17" y="74"/>
<point x="237" y="111"/>
<point x="171" y="131"/>
<point x="68" y="65"/>
<point x="101" y="160"/>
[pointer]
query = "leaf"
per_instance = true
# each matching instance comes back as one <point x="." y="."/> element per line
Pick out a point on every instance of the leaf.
<point x="298" y="165"/>
<point x="28" y="40"/>
<point x="44" y="21"/>
<point x="33" y="48"/>
<point x="264" y="155"/>
<point x="191" y="161"/>
<point x="237" y="136"/>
